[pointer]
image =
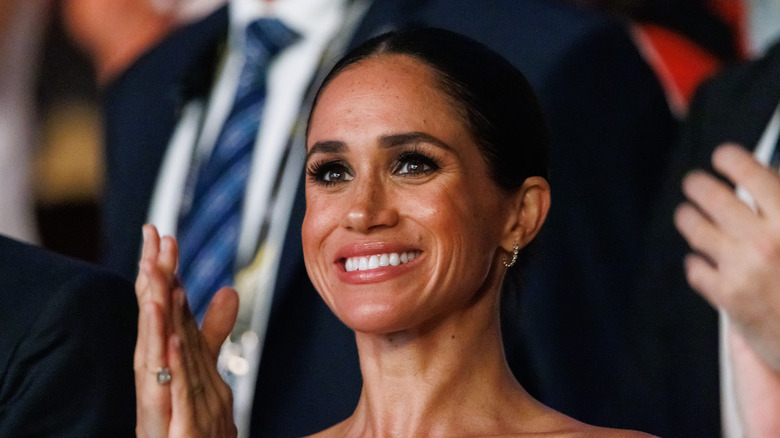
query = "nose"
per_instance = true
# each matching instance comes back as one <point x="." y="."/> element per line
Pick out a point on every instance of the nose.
<point x="370" y="207"/>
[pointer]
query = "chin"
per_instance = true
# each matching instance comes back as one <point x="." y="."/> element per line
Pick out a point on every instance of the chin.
<point x="374" y="318"/>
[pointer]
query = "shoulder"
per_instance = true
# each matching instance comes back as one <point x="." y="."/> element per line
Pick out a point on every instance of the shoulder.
<point x="581" y="430"/>
<point x="40" y="272"/>
<point x="36" y="284"/>
<point x="735" y="105"/>
<point x="747" y="80"/>
<point x="67" y="334"/>
<point x="600" y="432"/>
<point x="171" y="58"/>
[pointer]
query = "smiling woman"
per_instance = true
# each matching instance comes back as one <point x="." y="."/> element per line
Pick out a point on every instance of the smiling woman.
<point x="404" y="177"/>
<point x="425" y="177"/>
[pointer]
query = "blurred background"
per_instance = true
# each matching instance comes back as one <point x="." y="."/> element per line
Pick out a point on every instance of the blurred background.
<point x="54" y="56"/>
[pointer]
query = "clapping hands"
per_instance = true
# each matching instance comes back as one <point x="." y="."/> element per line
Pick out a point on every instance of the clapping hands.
<point x="195" y="402"/>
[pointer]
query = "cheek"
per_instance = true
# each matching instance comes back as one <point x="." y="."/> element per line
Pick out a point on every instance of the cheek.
<point x="313" y="235"/>
<point x="316" y="225"/>
<point x="470" y="225"/>
<point x="459" y="213"/>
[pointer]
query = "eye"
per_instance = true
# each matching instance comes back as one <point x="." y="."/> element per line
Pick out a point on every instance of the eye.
<point x="329" y="173"/>
<point x="415" y="164"/>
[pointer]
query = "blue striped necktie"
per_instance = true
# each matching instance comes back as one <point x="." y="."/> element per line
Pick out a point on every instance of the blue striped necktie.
<point x="209" y="229"/>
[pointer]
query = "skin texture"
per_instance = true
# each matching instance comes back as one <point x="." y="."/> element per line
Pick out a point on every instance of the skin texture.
<point x="735" y="267"/>
<point x="428" y="330"/>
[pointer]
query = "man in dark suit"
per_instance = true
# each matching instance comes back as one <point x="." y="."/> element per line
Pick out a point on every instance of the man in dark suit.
<point x="736" y="107"/>
<point x="67" y="334"/>
<point x="610" y="129"/>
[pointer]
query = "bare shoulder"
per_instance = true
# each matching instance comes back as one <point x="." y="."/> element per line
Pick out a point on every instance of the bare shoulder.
<point x="601" y="432"/>
<point x="566" y="427"/>
<point x="337" y="431"/>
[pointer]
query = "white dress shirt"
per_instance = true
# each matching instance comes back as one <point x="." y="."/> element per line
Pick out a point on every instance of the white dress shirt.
<point x="763" y="24"/>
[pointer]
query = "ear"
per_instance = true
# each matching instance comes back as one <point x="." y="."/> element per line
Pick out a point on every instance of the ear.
<point x="529" y="206"/>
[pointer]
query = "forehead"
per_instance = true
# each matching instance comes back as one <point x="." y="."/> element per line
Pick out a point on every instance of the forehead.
<point x="399" y="91"/>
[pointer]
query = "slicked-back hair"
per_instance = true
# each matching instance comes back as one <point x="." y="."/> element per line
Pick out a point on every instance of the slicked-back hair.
<point x="493" y="97"/>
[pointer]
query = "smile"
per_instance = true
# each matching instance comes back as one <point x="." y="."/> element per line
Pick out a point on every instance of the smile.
<point x="366" y="263"/>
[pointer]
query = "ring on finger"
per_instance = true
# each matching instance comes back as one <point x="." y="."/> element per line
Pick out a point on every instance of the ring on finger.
<point x="163" y="376"/>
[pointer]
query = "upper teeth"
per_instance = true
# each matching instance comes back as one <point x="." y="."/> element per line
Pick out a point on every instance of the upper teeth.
<point x="365" y="263"/>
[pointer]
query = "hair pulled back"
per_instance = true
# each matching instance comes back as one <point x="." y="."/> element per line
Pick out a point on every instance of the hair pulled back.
<point x="494" y="98"/>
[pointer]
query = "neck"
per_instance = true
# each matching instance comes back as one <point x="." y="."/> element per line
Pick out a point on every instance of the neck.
<point x="422" y="382"/>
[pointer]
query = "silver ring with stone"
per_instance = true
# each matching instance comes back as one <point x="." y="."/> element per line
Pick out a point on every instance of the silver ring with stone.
<point x="163" y="376"/>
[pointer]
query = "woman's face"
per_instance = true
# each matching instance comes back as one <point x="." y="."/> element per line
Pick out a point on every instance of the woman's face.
<point x="403" y="222"/>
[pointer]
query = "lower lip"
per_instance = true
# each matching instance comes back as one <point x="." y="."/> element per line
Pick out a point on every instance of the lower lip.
<point x="377" y="275"/>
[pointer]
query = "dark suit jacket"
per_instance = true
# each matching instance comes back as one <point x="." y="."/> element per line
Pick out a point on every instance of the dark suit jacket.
<point x="611" y="130"/>
<point x="735" y="106"/>
<point x="67" y="334"/>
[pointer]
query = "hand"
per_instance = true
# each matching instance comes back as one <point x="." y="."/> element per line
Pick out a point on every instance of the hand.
<point x="736" y="266"/>
<point x="197" y="402"/>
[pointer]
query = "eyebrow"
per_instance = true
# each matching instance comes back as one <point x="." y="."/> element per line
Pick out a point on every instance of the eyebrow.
<point x="385" y="142"/>
<point x="394" y="140"/>
<point x="326" y="147"/>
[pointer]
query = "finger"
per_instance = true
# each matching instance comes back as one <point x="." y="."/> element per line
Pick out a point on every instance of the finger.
<point x="182" y="409"/>
<point x="719" y="202"/>
<point x="201" y="400"/>
<point x="203" y="380"/>
<point x="699" y="232"/>
<point x="742" y="168"/>
<point x="169" y="256"/>
<point x="703" y="278"/>
<point x="151" y="246"/>
<point x="219" y="320"/>
<point x="153" y="399"/>
<point x="149" y="252"/>
<point x="158" y="290"/>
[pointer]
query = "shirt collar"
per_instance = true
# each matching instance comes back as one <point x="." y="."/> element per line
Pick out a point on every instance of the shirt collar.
<point x="307" y="17"/>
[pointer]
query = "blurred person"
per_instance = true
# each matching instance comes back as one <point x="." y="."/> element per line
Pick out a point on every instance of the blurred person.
<point x="22" y="25"/>
<point x="115" y="33"/>
<point x="739" y="105"/>
<point x="735" y="267"/>
<point x="684" y="41"/>
<point x="404" y="143"/>
<point x="165" y="111"/>
<point x="67" y="333"/>
<point x="688" y="41"/>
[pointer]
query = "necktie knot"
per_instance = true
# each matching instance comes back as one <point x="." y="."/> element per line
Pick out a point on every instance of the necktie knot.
<point x="265" y="38"/>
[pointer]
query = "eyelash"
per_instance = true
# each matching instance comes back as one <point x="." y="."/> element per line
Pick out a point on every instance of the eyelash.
<point x="319" y="172"/>
<point x="418" y="157"/>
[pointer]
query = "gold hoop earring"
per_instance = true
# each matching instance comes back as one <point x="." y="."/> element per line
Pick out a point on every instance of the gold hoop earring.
<point x="515" y="252"/>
